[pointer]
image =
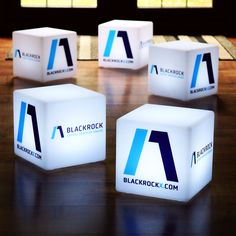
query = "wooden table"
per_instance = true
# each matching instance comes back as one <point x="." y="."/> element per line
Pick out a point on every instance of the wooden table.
<point x="82" y="200"/>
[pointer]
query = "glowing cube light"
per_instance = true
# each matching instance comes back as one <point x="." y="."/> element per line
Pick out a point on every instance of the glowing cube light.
<point x="59" y="126"/>
<point x="164" y="151"/>
<point x="44" y="54"/>
<point x="124" y="43"/>
<point x="183" y="70"/>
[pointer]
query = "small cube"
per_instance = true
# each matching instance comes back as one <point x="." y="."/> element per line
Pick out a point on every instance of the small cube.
<point x="164" y="151"/>
<point x="59" y="126"/>
<point x="183" y="70"/>
<point x="124" y="43"/>
<point x="44" y="54"/>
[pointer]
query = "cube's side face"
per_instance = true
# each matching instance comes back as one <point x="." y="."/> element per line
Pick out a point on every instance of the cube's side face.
<point x="151" y="160"/>
<point x="76" y="132"/>
<point x="201" y="155"/>
<point x="167" y="72"/>
<point x="203" y="72"/>
<point x="118" y="47"/>
<point x="27" y="56"/>
<point x="60" y="56"/>
<point x="145" y="41"/>
<point x="29" y="126"/>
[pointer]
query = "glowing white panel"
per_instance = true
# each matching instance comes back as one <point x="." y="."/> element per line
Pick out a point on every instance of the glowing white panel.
<point x="164" y="152"/>
<point x="59" y="126"/>
<point x="59" y="3"/>
<point x="183" y="70"/>
<point x="124" y="43"/>
<point x="44" y="54"/>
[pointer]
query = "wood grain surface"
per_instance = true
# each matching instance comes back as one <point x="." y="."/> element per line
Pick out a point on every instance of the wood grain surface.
<point x="82" y="200"/>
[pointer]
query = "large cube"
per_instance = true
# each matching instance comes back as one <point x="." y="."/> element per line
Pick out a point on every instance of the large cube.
<point x="44" y="54"/>
<point x="183" y="70"/>
<point x="164" y="152"/>
<point x="124" y="43"/>
<point x="59" y="126"/>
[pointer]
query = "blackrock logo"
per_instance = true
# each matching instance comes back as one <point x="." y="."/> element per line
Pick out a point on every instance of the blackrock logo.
<point x="146" y="43"/>
<point x="59" y="128"/>
<point x="26" y="55"/>
<point x="200" y="154"/>
<point x="162" y="139"/>
<point x="166" y="72"/>
<point x="30" y="110"/>
<point x="200" y="59"/>
<point x="109" y="45"/>
<point x="154" y="70"/>
<point x="81" y="129"/>
<point x="63" y="42"/>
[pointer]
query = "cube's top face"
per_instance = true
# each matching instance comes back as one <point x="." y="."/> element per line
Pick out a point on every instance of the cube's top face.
<point x="169" y="115"/>
<point x="126" y="23"/>
<point x="44" y="32"/>
<point x="184" y="45"/>
<point x="57" y="93"/>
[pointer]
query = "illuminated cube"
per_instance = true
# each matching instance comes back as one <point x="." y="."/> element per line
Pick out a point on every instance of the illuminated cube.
<point x="59" y="126"/>
<point x="44" y="54"/>
<point x="183" y="70"/>
<point x="124" y="43"/>
<point x="164" y="152"/>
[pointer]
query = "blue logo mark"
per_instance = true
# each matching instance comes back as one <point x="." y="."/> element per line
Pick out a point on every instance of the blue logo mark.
<point x="110" y="40"/>
<point x="154" y="69"/>
<point x="31" y="111"/>
<point x="17" y="52"/>
<point x="54" y="131"/>
<point x="194" y="159"/>
<point x="65" y="44"/>
<point x="166" y="154"/>
<point x="206" y="57"/>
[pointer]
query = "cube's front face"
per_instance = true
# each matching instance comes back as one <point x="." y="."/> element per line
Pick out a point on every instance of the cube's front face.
<point x="167" y="72"/>
<point x="76" y="132"/>
<point x="27" y="56"/>
<point x="152" y="160"/>
<point x="29" y="132"/>
<point x="60" y="56"/>
<point x="202" y="72"/>
<point x="124" y="47"/>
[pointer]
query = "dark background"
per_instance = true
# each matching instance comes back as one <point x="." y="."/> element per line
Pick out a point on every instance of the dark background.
<point x="216" y="20"/>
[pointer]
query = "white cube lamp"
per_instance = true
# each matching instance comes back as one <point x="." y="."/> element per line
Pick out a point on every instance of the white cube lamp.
<point x="44" y="54"/>
<point x="124" y="43"/>
<point x="164" y="152"/>
<point x="59" y="126"/>
<point x="183" y="70"/>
